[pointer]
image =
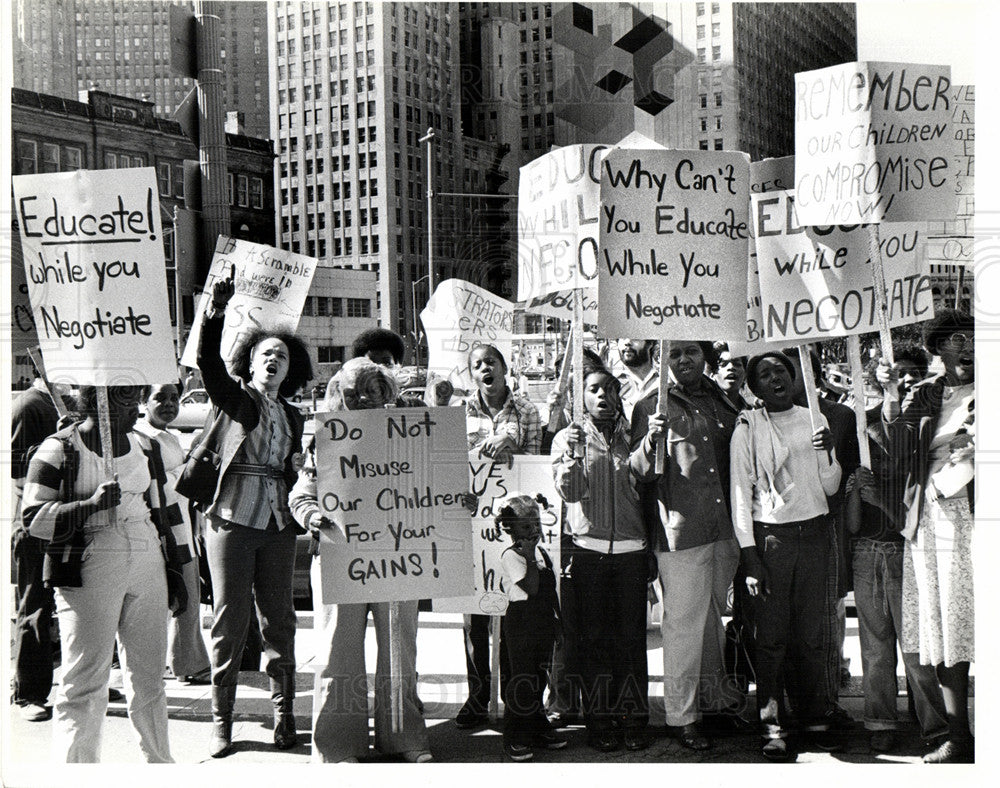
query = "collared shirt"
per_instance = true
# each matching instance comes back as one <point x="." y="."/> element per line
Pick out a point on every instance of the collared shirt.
<point x="252" y="500"/>
<point x="518" y="418"/>
<point x="635" y="389"/>
<point x="692" y="496"/>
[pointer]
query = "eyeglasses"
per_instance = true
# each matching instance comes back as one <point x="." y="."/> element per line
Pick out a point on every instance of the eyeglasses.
<point x="960" y="339"/>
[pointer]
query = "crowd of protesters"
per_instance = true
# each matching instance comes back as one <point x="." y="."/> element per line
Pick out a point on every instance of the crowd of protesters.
<point x="755" y="493"/>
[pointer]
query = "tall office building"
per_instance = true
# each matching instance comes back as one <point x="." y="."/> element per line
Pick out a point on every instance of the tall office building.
<point x="715" y="76"/>
<point x="354" y="87"/>
<point x="67" y="47"/>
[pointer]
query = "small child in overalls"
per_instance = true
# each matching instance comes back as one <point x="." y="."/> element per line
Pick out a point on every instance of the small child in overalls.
<point x="530" y="628"/>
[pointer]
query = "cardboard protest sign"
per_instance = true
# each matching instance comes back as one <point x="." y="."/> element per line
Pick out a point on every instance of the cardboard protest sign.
<point x="92" y="247"/>
<point x="271" y="289"/>
<point x="873" y="144"/>
<point x="492" y="482"/>
<point x="458" y="318"/>
<point x="673" y="240"/>
<point x="22" y="322"/>
<point x="560" y="305"/>
<point x="950" y="243"/>
<point x="765" y="176"/>
<point x="557" y="212"/>
<point x="816" y="282"/>
<point x="393" y="479"/>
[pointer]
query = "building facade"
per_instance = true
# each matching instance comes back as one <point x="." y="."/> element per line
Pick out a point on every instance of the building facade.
<point x="65" y="47"/>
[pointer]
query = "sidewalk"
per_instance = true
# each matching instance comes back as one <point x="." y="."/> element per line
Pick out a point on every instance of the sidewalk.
<point x="441" y="686"/>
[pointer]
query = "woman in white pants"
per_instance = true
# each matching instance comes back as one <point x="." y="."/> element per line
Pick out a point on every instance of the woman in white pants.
<point x="110" y="574"/>
<point x="340" y="732"/>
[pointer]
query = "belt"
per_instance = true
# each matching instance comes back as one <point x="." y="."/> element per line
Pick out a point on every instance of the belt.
<point x="608" y="547"/>
<point x="253" y="469"/>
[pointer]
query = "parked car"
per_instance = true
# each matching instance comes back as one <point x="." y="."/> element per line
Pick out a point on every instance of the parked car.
<point x="194" y="408"/>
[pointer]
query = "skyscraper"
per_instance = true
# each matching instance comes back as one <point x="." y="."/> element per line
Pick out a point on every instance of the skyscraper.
<point x="66" y="47"/>
<point x="354" y="87"/>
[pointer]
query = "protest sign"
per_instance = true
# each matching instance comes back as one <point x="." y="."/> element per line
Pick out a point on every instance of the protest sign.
<point x="22" y="322"/>
<point x="673" y="240"/>
<point x="271" y="289"/>
<point x="92" y="247"/>
<point x="492" y="482"/>
<point x="816" y="282"/>
<point x="458" y="318"/>
<point x="873" y="144"/>
<point x="393" y="480"/>
<point x="560" y="305"/>
<point x="950" y="243"/>
<point x="557" y="212"/>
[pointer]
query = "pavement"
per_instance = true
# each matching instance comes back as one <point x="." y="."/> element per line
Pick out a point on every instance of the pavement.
<point x="441" y="686"/>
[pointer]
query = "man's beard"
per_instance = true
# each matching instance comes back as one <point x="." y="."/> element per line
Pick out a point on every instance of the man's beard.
<point x="641" y="357"/>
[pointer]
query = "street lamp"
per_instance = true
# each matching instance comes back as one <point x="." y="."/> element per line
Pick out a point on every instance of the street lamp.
<point x="413" y="305"/>
<point x="428" y="138"/>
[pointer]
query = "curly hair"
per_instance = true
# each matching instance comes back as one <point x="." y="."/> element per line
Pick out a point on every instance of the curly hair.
<point x="86" y="398"/>
<point x="915" y="355"/>
<point x="363" y="376"/>
<point x="379" y="339"/>
<point x="945" y="323"/>
<point x="494" y="350"/>
<point x="300" y="369"/>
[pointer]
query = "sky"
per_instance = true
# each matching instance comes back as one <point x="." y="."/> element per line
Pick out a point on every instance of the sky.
<point x="920" y="32"/>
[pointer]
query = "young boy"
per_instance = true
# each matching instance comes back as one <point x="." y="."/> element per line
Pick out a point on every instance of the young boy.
<point x="530" y="628"/>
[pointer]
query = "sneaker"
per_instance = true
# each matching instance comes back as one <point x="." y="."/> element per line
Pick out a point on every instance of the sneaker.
<point x="776" y="750"/>
<point x="883" y="741"/>
<point x="604" y="741"/>
<point x="563" y="719"/>
<point x="35" y="712"/>
<point x="202" y="678"/>
<point x="636" y="739"/>
<point x="953" y="751"/>
<point x="825" y="741"/>
<point x="470" y="716"/>
<point x="551" y="740"/>
<point x="517" y="751"/>
<point x="417" y="756"/>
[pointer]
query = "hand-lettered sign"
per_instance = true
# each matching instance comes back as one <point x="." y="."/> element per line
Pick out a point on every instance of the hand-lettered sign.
<point x="94" y="267"/>
<point x="873" y="143"/>
<point x="816" y="282"/>
<point x="557" y="211"/>
<point x="492" y="482"/>
<point x="460" y="317"/>
<point x="271" y="289"/>
<point x="393" y="480"/>
<point x="673" y="241"/>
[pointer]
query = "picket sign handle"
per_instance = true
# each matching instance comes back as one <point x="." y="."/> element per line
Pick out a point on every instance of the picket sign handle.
<point x="809" y="384"/>
<point x="107" y="443"/>
<point x="495" y="668"/>
<point x="661" y="404"/>
<point x="395" y="669"/>
<point x="576" y="336"/>
<point x="567" y="364"/>
<point x="57" y="400"/>
<point x="858" y="383"/>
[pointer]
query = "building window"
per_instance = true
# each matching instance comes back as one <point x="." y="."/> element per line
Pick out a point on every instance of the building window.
<point x="358" y="307"/>
<point x="703" y="144"/>
<point x="718" y="144"/>
<point x="322" y="306"/>
<point x="27" y="157"/>
<point x="716" y="52"/>
<point x="257" y="192"/>
<point x="718" y="99"/>
<point x="242" y="191"/>
<point x="307" y="307"/>
<point x="72" y="159"/>
<point x="329" y="354"/>
<point x="163" y="176"/>
<point x="336" y="307"/>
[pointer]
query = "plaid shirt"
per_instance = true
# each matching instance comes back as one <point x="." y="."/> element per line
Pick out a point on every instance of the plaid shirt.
<point x="518" y="418"/>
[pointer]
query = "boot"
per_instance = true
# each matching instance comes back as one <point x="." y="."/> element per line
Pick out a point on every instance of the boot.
<point x="283" y="696"/>
<point x="223" y="699"/>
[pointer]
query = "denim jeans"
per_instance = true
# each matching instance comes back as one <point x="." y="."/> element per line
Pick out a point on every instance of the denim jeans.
<point x="791" y="619"/>
<point x="878" y="595"/>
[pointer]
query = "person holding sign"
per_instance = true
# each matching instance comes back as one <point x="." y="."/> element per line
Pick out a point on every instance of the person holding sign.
<point x="341" y="729"/>
<point x="590" y="464"/>
<point x="531" y="627"/>
<point x="240" y="472"/>
<point x="113" y="576"/>
<point x="187" y="657"/>
<point x="500" y="424"/>
<point x="933" y="436"/>
<point x="781" y="472"/>
<point x="692" y="536"/>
